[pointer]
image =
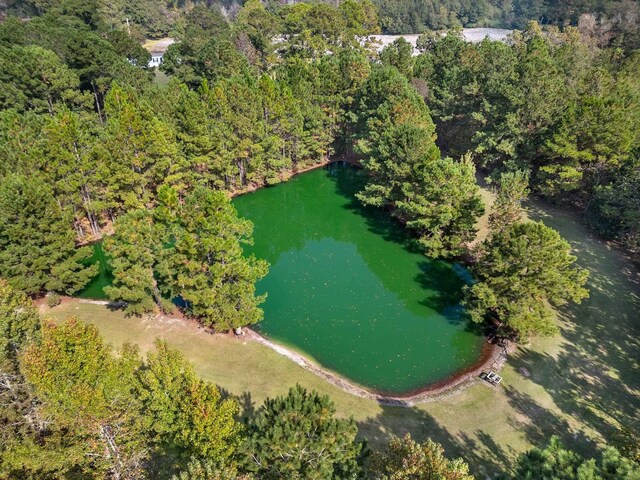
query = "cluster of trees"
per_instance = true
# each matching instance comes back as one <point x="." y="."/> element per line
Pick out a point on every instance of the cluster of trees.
<point x="89" y="143"/>
<point x="522" y="267"/>
<point x="551" y="103"/>
<point x="416" y="16"/>
<point x="437" y="198"/>
<point x="139" y="18"/>
<point x="273" y="92"/>
<point x="609" y="21"/>
<point x="70" y="407"/>
<point x="91" y="146"/>
<point x="555" y="462"/>
<point x="191" y="249"/>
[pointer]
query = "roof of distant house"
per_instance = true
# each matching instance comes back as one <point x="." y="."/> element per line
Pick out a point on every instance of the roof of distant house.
<point x="158" y="46"/>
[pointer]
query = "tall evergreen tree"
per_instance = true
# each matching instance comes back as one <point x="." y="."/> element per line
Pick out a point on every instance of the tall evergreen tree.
<point x="37" y="243"/>
<point x="296" y="436"/>
<point x="442" y="204"/>
<point x="521" y="269"/>
<point x="198" y="469"/>
<point x="134" y="250"/>
<point x="614" y="213"/>
<point x="399" y="54"/>
<point x="70" y="164"/>
<point x="513" y="189"/>
<point x="205" y="265"/>
<point x="33" y="78"/>
<point x="437" y="198"/>
<point x="139" y="150"/>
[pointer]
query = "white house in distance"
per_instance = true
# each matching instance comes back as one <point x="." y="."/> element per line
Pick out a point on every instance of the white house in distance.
<point x="157" y="49"/>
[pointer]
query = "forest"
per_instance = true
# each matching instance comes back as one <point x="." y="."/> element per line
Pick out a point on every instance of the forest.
<point x="607" y="20"/>
<point x="93" y="147"/>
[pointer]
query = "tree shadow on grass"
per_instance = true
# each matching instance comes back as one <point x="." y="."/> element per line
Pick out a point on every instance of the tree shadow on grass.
<point x="538" y="423"/>
<point x="479" y="449"/>
<point x="595" y="377"/>
<point x="247" y="405"/>
<point x="483" y="454"/>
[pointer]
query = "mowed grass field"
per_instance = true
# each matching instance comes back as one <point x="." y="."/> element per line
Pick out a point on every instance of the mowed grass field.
<point x="580" y="385"/>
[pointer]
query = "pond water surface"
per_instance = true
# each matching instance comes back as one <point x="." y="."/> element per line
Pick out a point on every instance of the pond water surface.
<point x="95" y="288"/>
<point x="346" y="287"/>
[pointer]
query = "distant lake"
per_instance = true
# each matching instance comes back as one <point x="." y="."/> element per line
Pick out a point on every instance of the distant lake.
<point x="470" y="34"/>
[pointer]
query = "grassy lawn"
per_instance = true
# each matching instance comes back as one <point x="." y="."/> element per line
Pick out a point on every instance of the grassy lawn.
<point x="583" y="382"/>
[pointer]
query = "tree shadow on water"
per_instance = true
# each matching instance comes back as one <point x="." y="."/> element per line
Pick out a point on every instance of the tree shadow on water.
<point x="440" y="281"/>
<point x="443" y="289"/>
<point x="349" y="181"/>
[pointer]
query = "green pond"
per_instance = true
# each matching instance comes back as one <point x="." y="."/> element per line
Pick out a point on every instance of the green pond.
<point x="347" y="288"/>
<point x="95" y="288"/>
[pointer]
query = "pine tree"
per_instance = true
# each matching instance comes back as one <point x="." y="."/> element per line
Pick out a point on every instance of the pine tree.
<point x="438" y="198"/>
<point x="199" y="469"/>
<point x="296" y="436"/>
<point x="442" y="204"/>
<point x="399" y="54"/>
<point x="33" y="78"/>
<point x="260" y="26"/>
<point x="37" y="243"/>
<point x="21" y="142"/>
<point x="520" y="269"/>
<point x="554" y="462"/>
<point x="404" y="459"/>
<point x="70" y="166"/>
<point x="512" y="191"/>
<point x="138" y="150"/>
<point x="133" y="251"/>
<point x="205" y="265"/>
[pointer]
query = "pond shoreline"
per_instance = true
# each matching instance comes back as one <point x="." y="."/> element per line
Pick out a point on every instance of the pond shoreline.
<point x="289" y="174"/>
<point x="493" y="357"/>
<point x="487" y="356"/>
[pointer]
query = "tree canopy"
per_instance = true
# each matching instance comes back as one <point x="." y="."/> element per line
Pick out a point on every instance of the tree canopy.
<point x="37" y="244"/>
<point x="404" y="459"/>
<point x="554" y="462"/>
<point x="521" y="270"/>
<point x="297" y="436"/>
